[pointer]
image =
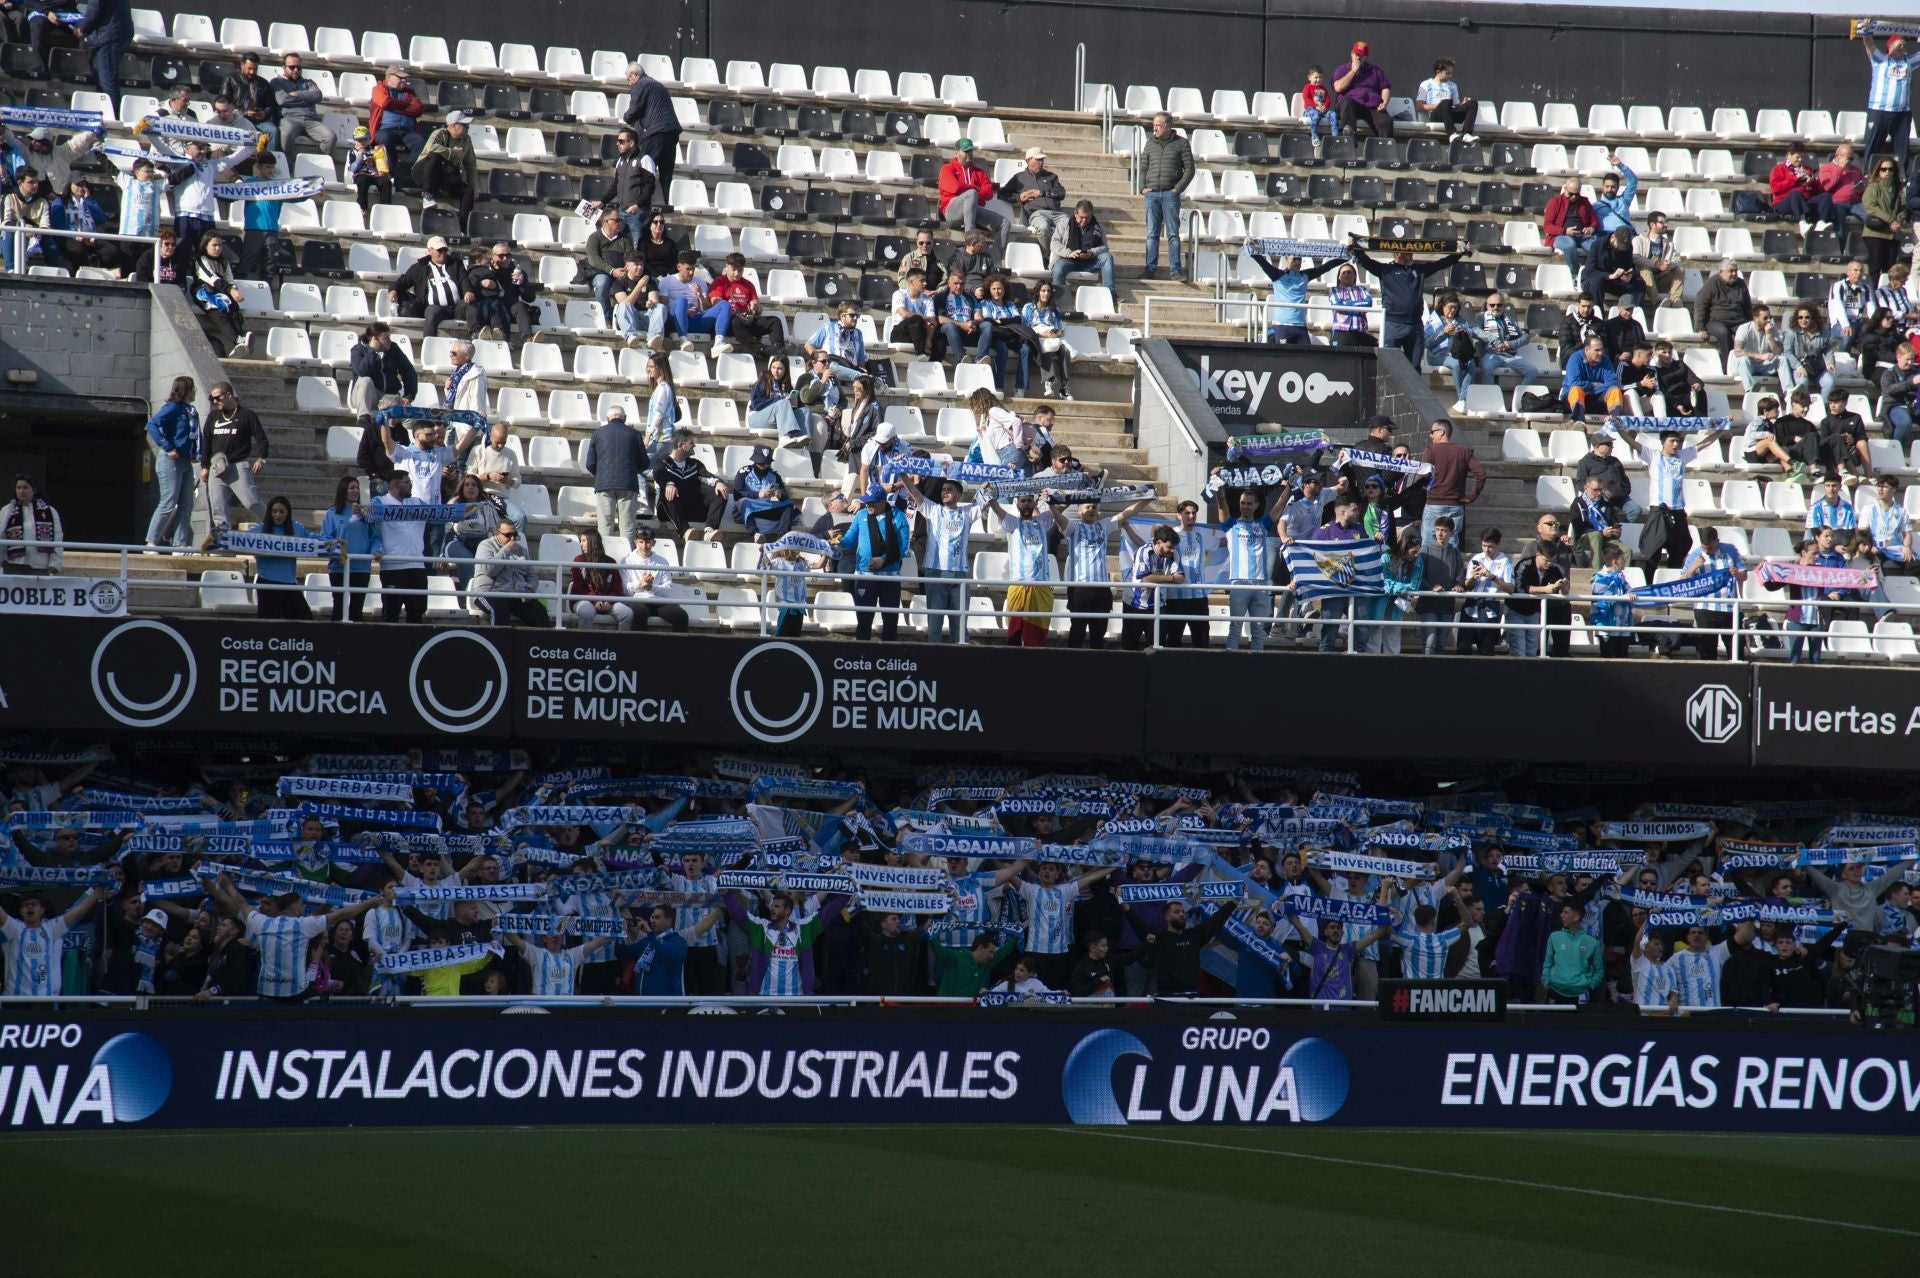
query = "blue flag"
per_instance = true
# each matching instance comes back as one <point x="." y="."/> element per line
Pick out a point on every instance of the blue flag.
<point x="1334" y="568"/>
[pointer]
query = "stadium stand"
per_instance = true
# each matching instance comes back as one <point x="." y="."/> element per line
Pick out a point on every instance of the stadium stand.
<point x="1084" y="886"/>
<point x="847" y="179"/>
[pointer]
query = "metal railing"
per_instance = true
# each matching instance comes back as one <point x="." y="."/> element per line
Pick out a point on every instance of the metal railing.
<point x="16" y="238"/>
<point x="1351" y="624"/>
<point x="760" y="1002"/>
<point x="1250" y="307"/>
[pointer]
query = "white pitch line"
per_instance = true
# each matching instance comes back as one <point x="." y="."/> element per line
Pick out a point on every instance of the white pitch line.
<point x="1493" y="1180"/>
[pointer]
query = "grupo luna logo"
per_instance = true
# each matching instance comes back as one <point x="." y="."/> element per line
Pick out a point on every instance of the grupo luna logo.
<point x="144" y="674"/>
<point x="777" y="692"/>
<point x="1714" y="713"/>
<point x="1111" y="1079"/>
<point x="463" y="687"/>
<point x="139" y="1075"/>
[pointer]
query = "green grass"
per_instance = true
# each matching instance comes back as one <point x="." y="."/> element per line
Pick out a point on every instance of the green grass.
<point x="941" y="1200"/>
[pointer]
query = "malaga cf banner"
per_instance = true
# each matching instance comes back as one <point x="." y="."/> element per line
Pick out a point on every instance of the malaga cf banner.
<point x="1012" y="1065"/>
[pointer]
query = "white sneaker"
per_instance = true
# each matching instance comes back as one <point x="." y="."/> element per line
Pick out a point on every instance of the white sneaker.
<point x="241" y="347"/>
<point x="723" y="348"/>
<point x="1459" y="405"/>
<point x="686" y="343"/>
<point x="1469" y="138"/>
<point x="1452" y="138"/>
<point x="427" y="202"/>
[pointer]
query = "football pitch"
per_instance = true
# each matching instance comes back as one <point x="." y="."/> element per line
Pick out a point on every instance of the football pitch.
<point x="1021" y="1200"/>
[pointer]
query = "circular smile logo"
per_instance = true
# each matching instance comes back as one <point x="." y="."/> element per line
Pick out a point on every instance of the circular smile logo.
<point x="144" y="674"/>
<point x="465" y="684"/>
<point x="777" y="692"/>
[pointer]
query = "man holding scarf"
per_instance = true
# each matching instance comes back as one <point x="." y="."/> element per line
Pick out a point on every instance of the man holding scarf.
<point x="1029" y="575"/>
<point x="30" y="531"/>
<point x="948" y="525"/>
<point x="1250" y="559"/>
<point x="877" y="539"/>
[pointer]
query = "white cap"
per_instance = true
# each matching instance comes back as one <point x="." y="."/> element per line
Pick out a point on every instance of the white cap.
<point x="459" y="117"/>
<point x="887" y="432"/>
<point x="157" y="917"/>
<point x="1035" y="153"/>
<point x="438" y="241"/>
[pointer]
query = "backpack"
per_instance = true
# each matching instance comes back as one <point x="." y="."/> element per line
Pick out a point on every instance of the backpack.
<point x="1538" y="402"/>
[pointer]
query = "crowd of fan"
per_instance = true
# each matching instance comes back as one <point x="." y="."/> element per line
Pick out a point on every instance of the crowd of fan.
<point x="630" y="903"/>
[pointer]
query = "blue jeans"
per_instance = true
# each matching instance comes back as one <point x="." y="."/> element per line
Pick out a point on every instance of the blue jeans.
<point x="1900" y="424"/>
<point x="1462" y="374"/>
<point x="1315" y="119"/>
<point x="714" y="319"/>
<point x="1436" y="635"/>
<point x="1332" y="637"/>
<point x="1001" y="349"/>
<point x="1494" y="362"/>
<point x="1433" y="512"/>
<point x="1242" y="604"/>
<point x="957" y="340"/>
<point x="781" y="417"/>
<point x="951" y="598"/>
<point x="1810" y="645"/>
<point x="1797" y="377"/>
<point x="1289" y="335"/>
<point x="106" y="68"/>
<point x="629" y="319"/>
<point x="1755" y="370"/>
<point x="1523" y="634"/>
<point x="172" y="522"/>
<point x="395" y="138"/>
<point x="1102" y="262"/>
<point x="1569" y="247"/>
<point x="1163" y="218"/>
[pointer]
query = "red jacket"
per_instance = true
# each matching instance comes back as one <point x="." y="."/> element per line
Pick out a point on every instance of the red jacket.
<point x="406" y="102"/>
<point x="1784" y="181"/>
<point x="594" y="579"/>
<point x="1564" y="211"/>
<point x="956" y="177"/>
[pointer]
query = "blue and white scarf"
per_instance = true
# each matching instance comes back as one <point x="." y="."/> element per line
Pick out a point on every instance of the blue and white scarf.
<point x="1698" y="812"/>
<point x="171" y="889"/>
<point x="1136" y="847"/>
<point x="474" y="892"/>
<point x="74" y="821"/>
<point x="344" y="812"/>
<point x="964" y="794"/>
<point x="1360" y="863"/>
<point x="301" y="188"/>
<point x="1415" y="841"/>
<point x="934" y="903"/>
<point x="278" y="885"/>
<point x="185" y="130"/>
<point x="402" y="962"/>
<point x="17" y="873"/>
<point x="1276" y="444"/>
<point x="992" y="847"/>
<point x="805" y="788"/>
<point x="736" y="768"/>
<point x="314" y="853"/>
<point x="1210" y="890"/>
<point x="421" y="512"/>
<point x="1310" y="906"/>
<point x="615" y="881"/>
<point x="327" y="764"/>
<point x="899" y="878"/>
<point x="20" y="117"/>
<point x="1662" y="425"/>
<point x="1653" y="831"/>
<point x="1569" y="862"/>
<point x="575" y="814"/>
<point x="1854" y="854"/>
<point x="344" y="788"/>
<point x="1872" y="834"/>
<point x="259" y="543"/>
<point x="1704" y="585"/>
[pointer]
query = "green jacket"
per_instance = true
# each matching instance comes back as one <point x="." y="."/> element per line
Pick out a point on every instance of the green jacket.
<point x="457" y="150"/>
<point x="1166" y="164"/>
<point x="1882" y="200"/>
<point x="962" y="975"/>
<point x="1572" y="965"/>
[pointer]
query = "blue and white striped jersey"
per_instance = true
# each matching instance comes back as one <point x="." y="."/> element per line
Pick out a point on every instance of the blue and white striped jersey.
<point x="1891" y="85"/>
<point x="1087" y="545"/>
<point x="1888" y="524"/>
<point x="1652" y="982"/>
<point x="687" y="917"/>
<point x="282" y="943"/>
<point x="1696" y="975"/>
<point x="33" y="955"/>
<point x="947" y="533"/>
<point x="1026" y="546"/>
<point x="1250" y="550"/>
<point x="1196" y="544"/>
<point x="554" y="973"/>
<point x="1426" y="954"/>
<point x="1049" y="915"/>
<point x="973" y="907"/>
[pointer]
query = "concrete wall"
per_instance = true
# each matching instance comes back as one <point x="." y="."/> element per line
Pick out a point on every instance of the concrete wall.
<point x="88" y="342"/>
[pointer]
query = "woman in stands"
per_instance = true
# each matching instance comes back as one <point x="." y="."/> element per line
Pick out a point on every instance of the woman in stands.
<point x="663" y="407"/>
<point x="660" y="250"/>
<point x="771" y="406"/>
<point x="999" y="433"/>
<point x="860" y="420"/>
<point x="1887" y="228"/>
<point x="482" y="517"/>
<point x="355" y="537"/>
<point x="1042" y="315"/>
<point x="1350" y="326"/>
<point x="218" y="296"/>
<point x="30" y="531"/>
<point x="1875" y="343"/>
<point x="1809" y="351"/>
<point x="165" y="264"/>
<point x="1005" y="317"/>
<point x="281" y="599"/>
<point x="593" y="585"/>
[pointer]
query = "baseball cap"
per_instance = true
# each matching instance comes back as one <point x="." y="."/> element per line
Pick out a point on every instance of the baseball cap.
<point x="42" y="134"/>
<point x="438" y="241"/>
<point x="156" y="917"/>
<point x="886" y="433"/>
<point x="361" y="131"/>
<point x="459" y="117"/>
<point x="1035" y="153"/>
<point x="1360" y="47"/>
<point x="399" y="71"/>
<point x="761" y="453"/>
<point x="874" y="493"/>
<point x="964" y="144"/>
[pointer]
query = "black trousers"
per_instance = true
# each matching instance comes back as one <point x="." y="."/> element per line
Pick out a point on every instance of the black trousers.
<point x="1457" y="116"/>
<point x="444" y="180"/>
<point x="349" y="592"/>
<point x="282" y="603"/>
<point x="663" y="148"/>
<point x="392" y="604"/>
<point x="673" y="614"/>
<point x="256" y="254"/>
<point x="705" y="973"/>
<point x="521" y="609"/>
<point x="1708" y="645"/>
<point x="1189" y="615"/>
<point x="1352" y="113"/>
<point x="433" y="316"/>
<point x="1672" y="551"/>
<point x="916" y="329"/>
<point x="693" y="503"/>
<point x="1136" y="627"/>
<point x="371" y="183"/>
<point x="882" y="593"/>
<point x="765" y="329"/>
<point x="1088" y="632"/>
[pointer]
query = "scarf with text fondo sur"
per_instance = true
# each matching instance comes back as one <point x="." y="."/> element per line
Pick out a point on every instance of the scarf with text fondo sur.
<point x="1054" y="805"/>
<point x="1416" y="841"/>
<point x="1745" y="854"/>
<point x="1209" y="890"/>
<point x="401" y="962"/>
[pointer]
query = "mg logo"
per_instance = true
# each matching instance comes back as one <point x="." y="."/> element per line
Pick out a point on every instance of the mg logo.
<point x="1714" y="714"/>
